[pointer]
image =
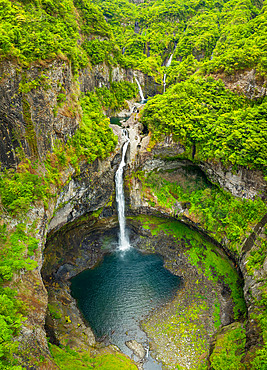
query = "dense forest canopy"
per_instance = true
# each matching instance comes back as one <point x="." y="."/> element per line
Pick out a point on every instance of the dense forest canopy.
<point x="207" y="39"/>
<point x="210" y="36"/>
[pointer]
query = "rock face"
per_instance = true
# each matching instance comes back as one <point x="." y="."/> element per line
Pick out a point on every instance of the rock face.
<point x="38" y="106"/>
<point x="101" y="75"/>
<point x="246" y="82"/>
<point x="241" y="182"/>
<point x="137" y="348"/>
<point x="32" y="116"/>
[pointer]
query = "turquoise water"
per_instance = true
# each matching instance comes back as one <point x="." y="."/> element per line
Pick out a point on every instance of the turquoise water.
<point x="120" y="292"/>
<point x="118" y="120"/>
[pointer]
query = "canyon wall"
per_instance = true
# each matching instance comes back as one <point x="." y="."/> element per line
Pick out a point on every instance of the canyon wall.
<point x="241" y="182"/>
<point x="34" y="117"/>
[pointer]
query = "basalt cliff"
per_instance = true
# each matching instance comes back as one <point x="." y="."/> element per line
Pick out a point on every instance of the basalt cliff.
<point x="33" y="120"/>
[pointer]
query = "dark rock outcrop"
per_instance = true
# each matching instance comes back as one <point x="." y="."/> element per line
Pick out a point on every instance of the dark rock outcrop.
<point x="31" y="113"/>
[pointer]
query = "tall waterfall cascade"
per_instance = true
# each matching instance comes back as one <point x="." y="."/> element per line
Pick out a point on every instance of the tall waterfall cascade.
<point x="140" y="90"/>
<point x="169" y="62"/>
<point x="123" y="238"/>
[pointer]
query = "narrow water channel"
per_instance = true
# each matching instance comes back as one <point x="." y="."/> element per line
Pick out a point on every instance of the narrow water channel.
<point x="116" y="295"/>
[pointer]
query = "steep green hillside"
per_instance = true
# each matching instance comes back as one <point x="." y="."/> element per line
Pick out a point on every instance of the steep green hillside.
<point x="213" y="36"/>
<point x="222" y="126"/>
<point x="208" y="39"/>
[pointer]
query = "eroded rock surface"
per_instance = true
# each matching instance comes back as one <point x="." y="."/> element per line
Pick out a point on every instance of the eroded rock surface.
<point x="247" y="82"/>
<point x="137" y="348"/>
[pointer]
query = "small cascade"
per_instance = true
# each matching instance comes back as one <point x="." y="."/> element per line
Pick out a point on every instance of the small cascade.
<point x="147" y="351"/>
<point x="169" y="62"/>
<point x="140" y="91"/>
<point x="164" y="82"/>
<point x="123" y="239"/>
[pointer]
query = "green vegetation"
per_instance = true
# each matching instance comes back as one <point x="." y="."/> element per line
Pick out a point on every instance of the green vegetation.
<point x="179" y="329"/>
<point x="201" y="254"/>
<point x="257" y="256"/>
<point x="217" y="211"/>
<point x="13" y="258"/>
<point x="48" y="29"/>
<point x="15" y="247"/>
<point x="242" y="40"/>
<point x="229" y="348"/>
<point x="223" y="127"/>
<point x="67" y="359"/>
<point x="94" y="139"/>
<point x="114" y="97"/>
<point x="209" y="262"/>
<point x="20" y="190"/>
<point x="260" y="360"/>
<point x="54" y="311"/>
<point x="223" y="36"/>
<point x="102" y="51"/>
<point x="205" y="38"/>
<point x="11" y="318"/>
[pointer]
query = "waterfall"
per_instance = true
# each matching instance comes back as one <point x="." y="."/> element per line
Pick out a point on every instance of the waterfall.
<point x="123" y="239"/>
<point x="169" y="62"/>
<point x="140" y="90"/>
<point x="164" y="82"/>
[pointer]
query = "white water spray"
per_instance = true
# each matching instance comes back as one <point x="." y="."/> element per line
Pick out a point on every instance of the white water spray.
<point x="169" y="62"/>
<point x="123" y="239"/>
<point x="140" y="90"/>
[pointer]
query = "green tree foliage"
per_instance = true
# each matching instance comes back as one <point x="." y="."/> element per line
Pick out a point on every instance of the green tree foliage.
<point x="93" y="21"/>
<point x="19" y="189"/>
<point x="11" y="318"/>
<point x="114" y="97"/>
<point x="15" y="249"/>
<point x="229" y="349"/>
<point x="223" y="126"/>
<point x="220" y="213"/>
<point x="223" y="36"/>
<point x="68" y="359"/>
<point x="100" y="51"/>
<point x="94" y="139"/>
<point x="242" y="42"/>
<point x="48" y="29"/>
<point x="18" y="192"/>
<point x="200" y="36"/>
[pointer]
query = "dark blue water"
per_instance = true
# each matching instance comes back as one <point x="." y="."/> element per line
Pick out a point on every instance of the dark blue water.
<point x="120" y="292"/>
<point x="118" y="120"/>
